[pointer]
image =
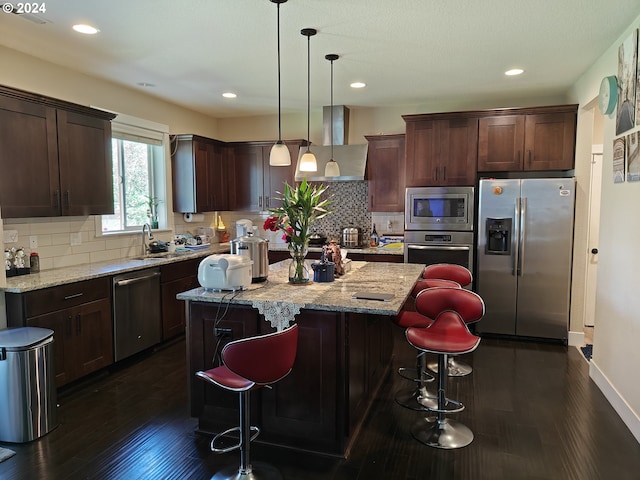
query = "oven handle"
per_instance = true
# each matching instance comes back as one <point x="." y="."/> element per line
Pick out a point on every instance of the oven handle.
<point x="438" y="247"/>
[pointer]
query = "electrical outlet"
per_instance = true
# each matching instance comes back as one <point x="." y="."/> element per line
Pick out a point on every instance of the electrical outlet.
<point x="224" y="333"/>
<point x="10" y="236"/>
<point x="33" y="242"/>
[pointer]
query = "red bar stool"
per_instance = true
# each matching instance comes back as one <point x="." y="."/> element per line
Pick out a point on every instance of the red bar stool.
<point x="462" y="276"/>
<point x="248" y="364"/>
<point x="418" y="396"/>
<point x="452" y="309"/>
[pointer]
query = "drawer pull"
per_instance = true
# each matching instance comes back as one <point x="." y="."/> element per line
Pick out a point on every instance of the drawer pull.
<point x="75" y="295"/>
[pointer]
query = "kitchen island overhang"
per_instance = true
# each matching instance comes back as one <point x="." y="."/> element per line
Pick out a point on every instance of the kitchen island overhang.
<point x="344" y="352"/>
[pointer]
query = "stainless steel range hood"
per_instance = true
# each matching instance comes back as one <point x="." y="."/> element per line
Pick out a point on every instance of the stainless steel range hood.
<point x="352" y="159"/>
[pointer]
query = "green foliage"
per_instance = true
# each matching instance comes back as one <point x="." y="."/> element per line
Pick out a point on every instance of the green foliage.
<point x="301" y="206"/>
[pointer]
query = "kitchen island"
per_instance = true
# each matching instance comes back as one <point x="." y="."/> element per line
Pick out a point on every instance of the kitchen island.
<point x="344" y="352"/>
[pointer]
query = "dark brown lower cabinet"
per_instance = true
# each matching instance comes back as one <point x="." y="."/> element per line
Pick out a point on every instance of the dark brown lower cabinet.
<point x="79" y="315"/>
<point x="341" y="362"/>
<point x="176" y="278"/>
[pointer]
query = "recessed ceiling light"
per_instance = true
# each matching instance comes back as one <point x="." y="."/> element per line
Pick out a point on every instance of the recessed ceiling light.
<point x="86" y="29"/>
<point x="146" y="84"/>
<point x="229" y="95"/>
<point x="358" y="85"/>
<point x="514" y="71"/>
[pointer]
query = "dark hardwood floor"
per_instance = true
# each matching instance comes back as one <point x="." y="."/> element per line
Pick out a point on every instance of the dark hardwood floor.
<point x="532" y="407"/>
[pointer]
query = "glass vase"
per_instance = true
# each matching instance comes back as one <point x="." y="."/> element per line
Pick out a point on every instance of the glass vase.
<point x="298" y="269"/>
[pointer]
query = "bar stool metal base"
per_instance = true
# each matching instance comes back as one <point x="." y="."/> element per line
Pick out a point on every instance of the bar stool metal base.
<point x="446" y="433"/>
<point x="417" y="398"/>
<point x="258" y="471"/>
<point x="455" y="368"/>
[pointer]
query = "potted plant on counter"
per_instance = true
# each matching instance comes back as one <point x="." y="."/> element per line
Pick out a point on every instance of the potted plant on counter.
<point x="301" y="206"/>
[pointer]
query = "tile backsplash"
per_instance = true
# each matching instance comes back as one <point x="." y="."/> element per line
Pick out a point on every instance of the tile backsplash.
<point x="63" y="242"/>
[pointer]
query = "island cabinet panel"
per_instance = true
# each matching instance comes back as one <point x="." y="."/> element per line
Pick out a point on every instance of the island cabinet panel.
<point x="534" y="139"/>
<point x="341" y="362"/>
<point x="57" y="156"/>
<point x="302" y="408"/>
<point x="215" y="407"/>
<point x="441" y="149"/>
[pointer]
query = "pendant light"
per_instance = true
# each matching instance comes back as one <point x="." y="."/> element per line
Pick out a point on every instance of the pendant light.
<point x="332" y="169"/>
<point x="279" y="156"/>
<point x="308" y="161"/>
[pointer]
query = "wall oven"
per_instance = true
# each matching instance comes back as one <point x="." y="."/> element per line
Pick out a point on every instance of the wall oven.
<point x="439" y="223"/>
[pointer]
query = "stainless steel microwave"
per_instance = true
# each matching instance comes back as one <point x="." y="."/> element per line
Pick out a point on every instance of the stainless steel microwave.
<point x="439" y="208"/>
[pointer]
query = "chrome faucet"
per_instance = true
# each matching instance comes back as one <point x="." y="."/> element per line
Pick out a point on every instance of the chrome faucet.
<point x="145" y="247"/>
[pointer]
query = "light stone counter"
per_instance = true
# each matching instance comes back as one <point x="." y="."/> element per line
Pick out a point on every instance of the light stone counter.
<point x="378" y="277"/>
<point x="61" y="276"/>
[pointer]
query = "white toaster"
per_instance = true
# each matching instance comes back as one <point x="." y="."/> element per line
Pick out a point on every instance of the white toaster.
<point x="225" y="272"/>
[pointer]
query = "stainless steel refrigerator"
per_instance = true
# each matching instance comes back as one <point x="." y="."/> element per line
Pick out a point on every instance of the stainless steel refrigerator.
<point x="525" y="241"/>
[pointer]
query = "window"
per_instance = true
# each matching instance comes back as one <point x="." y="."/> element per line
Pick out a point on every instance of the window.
<point x="138" y="176"/>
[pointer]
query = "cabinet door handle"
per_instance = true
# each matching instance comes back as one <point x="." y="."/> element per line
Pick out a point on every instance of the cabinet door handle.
<point x="435" y="171"/>
<point x="78" y="325"/>
<point x="260" y="201"/>
<point x="56" y="199"/>
<point x="444" y="173"/>
<point x="66" y="198"/>
<point x="529" y="157"/>
<point x="266" y="202"/>
<point x="518" y="158"/>
<point x="69" y="326"/>
<point x="75" y="295"/>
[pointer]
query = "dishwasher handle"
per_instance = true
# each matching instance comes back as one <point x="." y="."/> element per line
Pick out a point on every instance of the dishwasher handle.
<point x="129" y="281"/>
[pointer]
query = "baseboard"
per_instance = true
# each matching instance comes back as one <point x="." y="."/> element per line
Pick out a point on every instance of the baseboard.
<point x="619" y="404"/>
<point x="576" y="339"/>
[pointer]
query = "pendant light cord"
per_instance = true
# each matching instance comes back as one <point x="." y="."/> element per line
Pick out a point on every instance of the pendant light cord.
<point x="308" y="90"/>
<point x="331" y="109"/>
<point x="279" y="107"/>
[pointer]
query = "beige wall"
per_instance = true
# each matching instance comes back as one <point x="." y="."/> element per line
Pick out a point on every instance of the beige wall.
<point x="617" y="323"/>
<point x="35" y="75"/>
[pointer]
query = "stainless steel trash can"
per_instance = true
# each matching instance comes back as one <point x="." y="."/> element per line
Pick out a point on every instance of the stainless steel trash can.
<point x="27" y="384"/>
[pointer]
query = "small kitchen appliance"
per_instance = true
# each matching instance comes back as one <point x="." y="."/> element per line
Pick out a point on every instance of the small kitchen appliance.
<point x="323" y="271"/>
<point x="243" y="227"/>
<point x="257" y="250"/>
<point x="225" y="271"/>
<point x="351" y="237"/>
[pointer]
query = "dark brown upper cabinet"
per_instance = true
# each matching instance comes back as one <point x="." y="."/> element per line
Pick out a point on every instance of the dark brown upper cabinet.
<point x="385" y="173"/>
<point x="55" y="157"/>
<point x="200" y="174"/>
<point x="528" y="139"/>
<point x="441" y="149"/>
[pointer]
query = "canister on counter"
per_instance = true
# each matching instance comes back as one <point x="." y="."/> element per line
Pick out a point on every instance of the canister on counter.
<point x="34" y="262"/>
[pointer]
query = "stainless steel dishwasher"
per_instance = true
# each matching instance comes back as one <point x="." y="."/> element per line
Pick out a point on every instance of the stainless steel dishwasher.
<point x="137" y="322"/>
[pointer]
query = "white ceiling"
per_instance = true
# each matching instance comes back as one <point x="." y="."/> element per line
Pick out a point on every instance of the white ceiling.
<point x="407" y="51"/>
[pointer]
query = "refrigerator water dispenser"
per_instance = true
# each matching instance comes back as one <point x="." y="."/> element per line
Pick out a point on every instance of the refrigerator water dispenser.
<point x="498" y="236"/>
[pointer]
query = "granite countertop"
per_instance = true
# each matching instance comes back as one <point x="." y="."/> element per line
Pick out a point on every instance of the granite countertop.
<point x="377" y="277"/>
<point x="61" y="276"/>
